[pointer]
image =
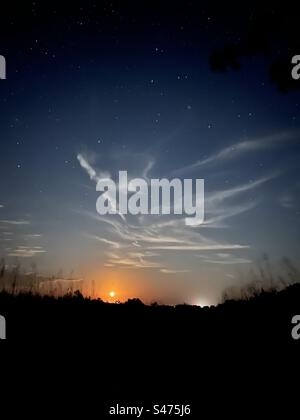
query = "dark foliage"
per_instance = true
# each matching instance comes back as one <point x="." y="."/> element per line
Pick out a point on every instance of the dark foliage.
<point x="270" y="32"/>
<point x="265" y="317"/>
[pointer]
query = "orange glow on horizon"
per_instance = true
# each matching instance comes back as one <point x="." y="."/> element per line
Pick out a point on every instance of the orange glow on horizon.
<point x="114" y="285"/>
<point x="127" y="284"/>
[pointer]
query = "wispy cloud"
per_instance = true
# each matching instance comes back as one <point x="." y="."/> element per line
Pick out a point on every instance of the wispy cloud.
<point x="134" y="259"/>
<point x="200" y="247"/>
<point x="287" y="200"/>
<point x="148" y="168"/>
<point x="90" y="170"/>
<point x="231" y="192"/>
<point x="232" y="261"/>
<point x="223" y="258"/>
<point x="168" y="271"/>
<point x="149" y="241"/>
<point x="87" y="167"/>
<point x="135" y="263"/>
<point x="15" y="222"/>
<point x="113" y="244"/>
<point x="101" y="176"/>
<point x="146" y="238"/>
<point x="218" y="210"/>
<point x="26" y="251"/>
<point x="227" y="213"/>
<point x="238" y="149"/>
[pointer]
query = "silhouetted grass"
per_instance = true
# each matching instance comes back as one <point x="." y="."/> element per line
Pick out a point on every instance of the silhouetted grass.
<point x="265" y="316"/>
<point x="258" y="312"/>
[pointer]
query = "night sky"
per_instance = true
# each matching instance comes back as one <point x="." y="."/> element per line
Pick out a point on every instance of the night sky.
<point x="132" y="87"/>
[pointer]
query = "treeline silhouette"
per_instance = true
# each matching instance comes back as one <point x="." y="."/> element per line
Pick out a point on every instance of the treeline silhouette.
<point x="263" y="318"/>
<point x="258" y="312"/>
<point x="263" y="32"/>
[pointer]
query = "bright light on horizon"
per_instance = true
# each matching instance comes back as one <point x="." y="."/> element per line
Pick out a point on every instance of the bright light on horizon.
<point x="202" y="303"/>
<point x="112" y="294"/>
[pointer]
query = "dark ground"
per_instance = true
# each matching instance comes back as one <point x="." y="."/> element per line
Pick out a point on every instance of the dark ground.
<point x="75" y="357"/>
<point x="265" y="319"/>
